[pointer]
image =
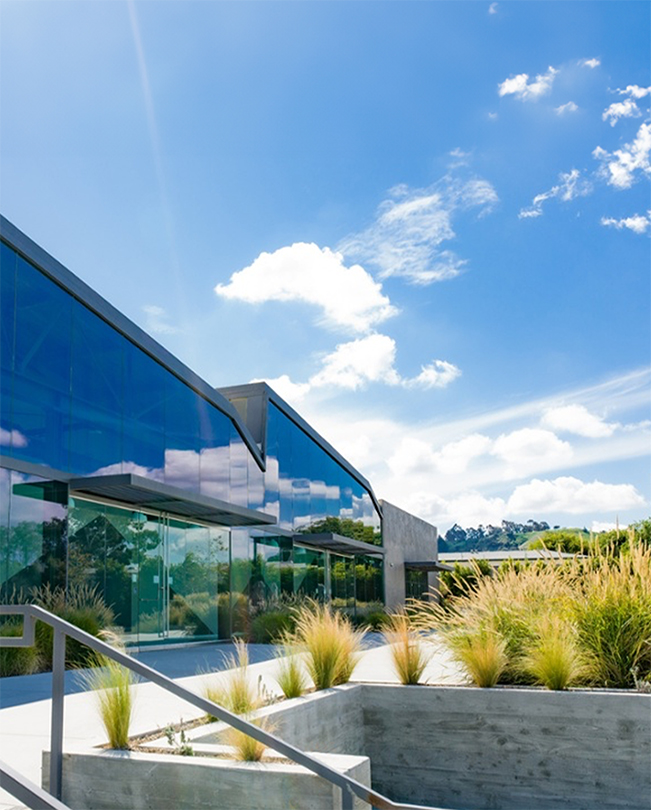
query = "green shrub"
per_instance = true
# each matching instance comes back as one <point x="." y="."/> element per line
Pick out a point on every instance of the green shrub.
<point x="270" y="627"/>
<point x="17" y="660"/>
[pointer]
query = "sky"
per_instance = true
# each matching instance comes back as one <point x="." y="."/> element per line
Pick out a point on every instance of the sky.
<point x="424" y="224"/>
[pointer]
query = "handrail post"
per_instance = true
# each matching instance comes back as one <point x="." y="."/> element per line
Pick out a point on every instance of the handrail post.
<point x="56" y="731"/>
<point x="347" y="798"/>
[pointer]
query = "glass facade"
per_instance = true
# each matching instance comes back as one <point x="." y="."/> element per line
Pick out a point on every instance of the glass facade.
<point x="79" y="397"/>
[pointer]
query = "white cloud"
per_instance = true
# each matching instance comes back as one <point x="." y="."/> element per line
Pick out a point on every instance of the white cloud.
<point x="355" y="364"/>
<point x="348" y="296"/>
<point x="520" y="86"/>
<point x="572" y="496"/>
<point x="352" y="365"/>
<point x="570" y="107"/>
<point x="598" y="526"/>
<point x="410" y="227"/>
<point x="12" y="438"/>
<point x="621" y="167"/>
<point x="437" y="374"/>
<point x="455" y="457"/>
<point x="621" y="109"/>
<point x="571" y="185"/>
<point x="638" y="223"/>
<point x="591" y="63"/>
<point x="531" y="448"/>
<point x="492" y="9"/>
<point x="157" y="321"/>
<point x="635" y="91"/>
<point x="577" y="419"/>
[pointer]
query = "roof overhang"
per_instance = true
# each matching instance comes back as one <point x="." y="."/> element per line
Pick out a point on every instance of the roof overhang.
<point x="143" y="493"/>
<point x="329" y="541"/>
<point x="428" y="566"/>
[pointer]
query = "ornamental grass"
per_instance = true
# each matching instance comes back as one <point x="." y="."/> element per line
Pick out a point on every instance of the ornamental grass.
<point x="586" y="621"/>
<point x="290" y="673"/>
<point x="408" y="655"/>
<point x="332" y="647"/>
<point x="112" y="683"/>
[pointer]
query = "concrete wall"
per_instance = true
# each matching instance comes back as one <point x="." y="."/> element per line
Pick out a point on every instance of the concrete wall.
<point x="405" y="537"/>
<point x="329" y="721"/>
<point x="512" y="749"/>
<point x="124" y="780"/>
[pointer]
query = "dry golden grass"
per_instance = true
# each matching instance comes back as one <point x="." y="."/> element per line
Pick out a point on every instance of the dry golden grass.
<point x="331" y="644"/>
<point x="408" y="655"/>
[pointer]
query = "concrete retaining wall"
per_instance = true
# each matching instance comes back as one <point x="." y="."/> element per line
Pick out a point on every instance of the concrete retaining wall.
<point x="329" y="721"/>
<point x="513" y="749"/>
<point x="124" y="780"/>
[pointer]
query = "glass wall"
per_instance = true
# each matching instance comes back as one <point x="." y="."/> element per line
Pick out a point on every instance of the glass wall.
<point x="79" y="397"/>
<point x="32" y="534"/>
<point x="162" y="577"/>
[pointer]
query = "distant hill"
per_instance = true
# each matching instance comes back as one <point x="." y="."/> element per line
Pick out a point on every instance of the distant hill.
<point x="508" y="535"/>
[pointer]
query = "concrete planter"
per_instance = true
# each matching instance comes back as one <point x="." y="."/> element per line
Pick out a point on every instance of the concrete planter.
<point x="452" y="747"/>
<point x="102" y="779"/>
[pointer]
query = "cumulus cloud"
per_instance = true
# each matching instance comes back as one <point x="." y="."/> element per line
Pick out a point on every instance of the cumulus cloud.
<point x="634" y="91"/>
<point x="157" y="321"/>
<point x="355" y="364"/>
<point x="591" y="63"/>
<point x="525" y="90"/>
<point x="412" y="224"/>
<point x="531" y="447"/>
<point x="571" y="185"/>
<point x="621" y="109"/>
<point x="348" y="296"/>
<point x="638" y="223"/>
<point x="352" y="365"/>
<point x="577" y="419"/>
<point x="573" y="496"/>
<point x="622" y="167"/>
<point x="437" y="374"/>
<point x="570" y="107"/>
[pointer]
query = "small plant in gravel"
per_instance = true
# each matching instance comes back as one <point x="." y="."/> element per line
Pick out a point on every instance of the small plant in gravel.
<point x="182" y="747"/>
<point x="112" y="683"/>
<point x="408" y="654"/>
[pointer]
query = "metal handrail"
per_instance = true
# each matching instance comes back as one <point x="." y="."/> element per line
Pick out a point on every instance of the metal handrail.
<point x="26" y="791"/>
<point x="32" y="613"/>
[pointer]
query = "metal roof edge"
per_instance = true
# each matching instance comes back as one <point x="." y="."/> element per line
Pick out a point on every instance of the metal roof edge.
<point x="264" y="389"/>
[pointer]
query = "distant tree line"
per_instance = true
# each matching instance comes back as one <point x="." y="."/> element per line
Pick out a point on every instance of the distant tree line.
<point x="490" y="538"/>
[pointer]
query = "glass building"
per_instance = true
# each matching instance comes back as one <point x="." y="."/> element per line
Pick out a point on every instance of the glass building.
<point x="188" y="508"/>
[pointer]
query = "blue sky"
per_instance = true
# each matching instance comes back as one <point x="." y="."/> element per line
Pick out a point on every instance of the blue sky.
<point x="426" y="224"/>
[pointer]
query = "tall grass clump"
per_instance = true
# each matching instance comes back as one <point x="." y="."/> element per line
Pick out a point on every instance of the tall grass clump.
<point x="112" y="683"/>
<point x="239" y="696"/>
<point x="613" y="617"/>
<point x="560" y="623"/>
<point x="408" y="655"/>
<point x="554" y="658"/>
<point x="331" y="644"/>
<point x="290" y="673"/>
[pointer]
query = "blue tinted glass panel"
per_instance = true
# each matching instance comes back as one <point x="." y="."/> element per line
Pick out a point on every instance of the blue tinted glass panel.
<point x="7" y="321"/>
<point x="96" y="425"/>
<point x="41" y="407"/>
<point x="183" y="444"/>
<point x="143" y="446"/>
<point x="215" y="453"/>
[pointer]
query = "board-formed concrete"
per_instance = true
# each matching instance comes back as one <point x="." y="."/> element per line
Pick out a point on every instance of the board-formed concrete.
<point x="405" y="538"/>
<point x="127" y="780"/>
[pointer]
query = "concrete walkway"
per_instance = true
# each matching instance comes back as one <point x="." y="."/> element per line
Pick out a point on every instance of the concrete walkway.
<point x="25" y="709"/>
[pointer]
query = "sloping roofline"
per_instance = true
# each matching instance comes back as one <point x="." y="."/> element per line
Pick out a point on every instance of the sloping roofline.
<point x="73" y="285"/>
<point x="255" y="417"/>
